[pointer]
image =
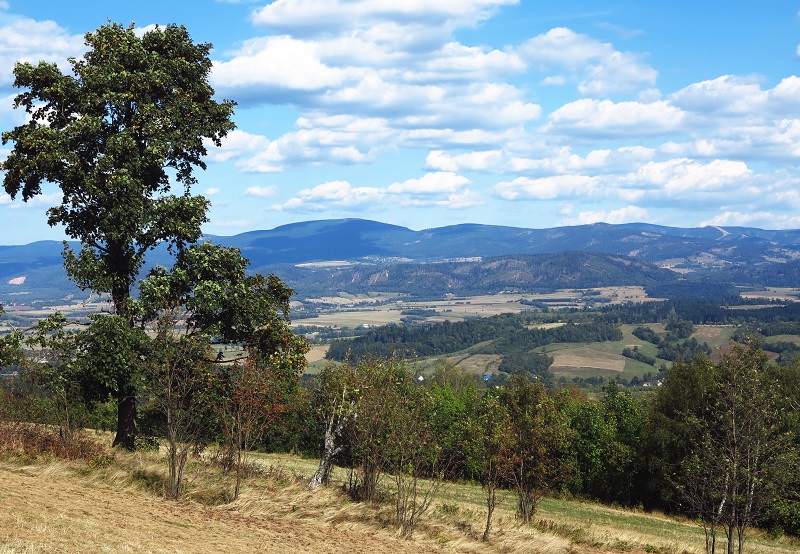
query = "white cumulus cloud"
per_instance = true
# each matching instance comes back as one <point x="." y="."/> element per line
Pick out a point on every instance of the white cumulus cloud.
<point x="440" y="160"/>
<point x="260" y="191"/>
<point x="599" y="69"/>
<point x="628" y="214"/>
<point x="546" y="188"/>
<point x="28" y="40"/>
<point x="604" y="118"/>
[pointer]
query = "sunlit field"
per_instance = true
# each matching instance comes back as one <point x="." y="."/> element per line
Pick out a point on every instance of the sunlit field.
<point x="57" y="506"/>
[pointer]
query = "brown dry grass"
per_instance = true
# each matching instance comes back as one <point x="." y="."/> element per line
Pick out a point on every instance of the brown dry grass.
<point x="115" y="504"/>
<point x="44" y="510"/>
<point x="775" y="293"/>
<point x="586" y="358"/>
<point x="317" y="352"/>
<point x="384" y="308"/>
<point x="57" y="506"/>
<point x="478" y="364"/>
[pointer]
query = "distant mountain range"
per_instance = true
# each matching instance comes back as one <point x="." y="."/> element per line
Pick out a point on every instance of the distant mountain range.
<point x="462" y="258"/>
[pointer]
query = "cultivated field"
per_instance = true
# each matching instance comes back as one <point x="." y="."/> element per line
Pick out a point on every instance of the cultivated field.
<point x="775" y="293"/>
<point x="381" y="309"/>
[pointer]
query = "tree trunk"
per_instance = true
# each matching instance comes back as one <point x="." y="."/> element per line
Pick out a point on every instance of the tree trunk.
<point x="491" y="499"/>
<point x="323" y="473"/>
<point x="238" y="474"/>
<point x="729" y="533"/>
<point x="526" y="505"/>
<point x="126" y="420"/>
<point x="126" y="394"/>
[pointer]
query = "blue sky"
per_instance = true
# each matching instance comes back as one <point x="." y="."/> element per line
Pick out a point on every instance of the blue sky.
<point x="426" y="113"/>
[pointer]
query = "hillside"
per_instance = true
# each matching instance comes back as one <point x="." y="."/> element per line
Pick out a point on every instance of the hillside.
<point x="356" y="255"/>
<point x="542" y="272"/>
<point x="59" y="507"/>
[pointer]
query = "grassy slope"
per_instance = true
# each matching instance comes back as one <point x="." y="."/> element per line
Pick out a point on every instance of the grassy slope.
<point x="66" y="507"/>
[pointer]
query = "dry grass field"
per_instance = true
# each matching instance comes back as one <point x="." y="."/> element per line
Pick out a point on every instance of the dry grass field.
<point x="381" y="309"/>
<point x="57" y="506"/>
<point x="479" y="364"/>
<point x="45" y="510"/>
<point x="584" y="358"/>
<point x="775" y="293"/>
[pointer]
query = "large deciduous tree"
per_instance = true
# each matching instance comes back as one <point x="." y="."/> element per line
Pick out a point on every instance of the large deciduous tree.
<point x="115" y="135"/>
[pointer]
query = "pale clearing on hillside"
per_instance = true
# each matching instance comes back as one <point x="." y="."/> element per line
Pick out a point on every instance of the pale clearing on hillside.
<point x="481" y="364"/>
<point x="582" y="358"/>
<point x="317" y="352"/>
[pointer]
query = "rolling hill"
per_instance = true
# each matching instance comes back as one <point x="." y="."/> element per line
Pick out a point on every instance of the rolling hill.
<point x="461" y="258"/>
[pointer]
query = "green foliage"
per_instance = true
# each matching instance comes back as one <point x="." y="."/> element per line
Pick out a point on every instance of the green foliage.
<point x="706" y="312"/>
<point x="55" y="375"/>
<point x="507" y="333"/>
<point x="726" y="441"/>
<point x="429" y="340"/>
<point x="679" y="329"/>
<point x="11" y="351"/>
<point x="133" y="109"/>
<point x="529" y="364"/>
<point x="490" y="447"/>
<point x="113" y="351"/>
<point x="646" y="334"/>
<point x="132" y="117"/>
<point x="527" y="339"/>
<point x="684" y="350"/>
<point x="379" y="384"/>
<point x="635" y="354"/>
<point x="452" y="407"/>
<point x="608" y="445"/>
<point x="542" y="442"/>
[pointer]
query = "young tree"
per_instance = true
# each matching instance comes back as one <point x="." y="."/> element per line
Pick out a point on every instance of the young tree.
<point x="491" y="450"/>
<point x="253" y="399"/>
<point x="542" y="442"/>
<point x="412" y="453"/>
<point x="131" y="119"/>
<point x="607" y="445"/>
<point x="205" y="295"/>
<point x="335" y="401"/>
<point x="53" y="376"/>
<point x="369" y="433"/>
<point x="179" y="377"/>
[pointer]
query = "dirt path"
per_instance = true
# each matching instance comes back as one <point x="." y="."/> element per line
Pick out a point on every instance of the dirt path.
<point x="50" y="513"/>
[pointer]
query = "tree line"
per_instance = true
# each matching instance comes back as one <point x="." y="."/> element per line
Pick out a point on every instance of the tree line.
<point x="717" y="441"/>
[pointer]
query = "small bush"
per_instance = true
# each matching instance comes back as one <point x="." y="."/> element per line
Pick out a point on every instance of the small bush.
<point x="448" y="509"/>
<point x="146" y="443"/>
<point x="34" y="441"/>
